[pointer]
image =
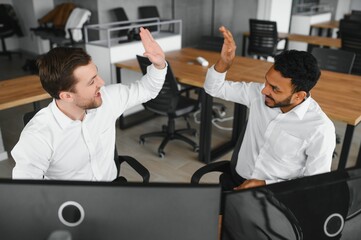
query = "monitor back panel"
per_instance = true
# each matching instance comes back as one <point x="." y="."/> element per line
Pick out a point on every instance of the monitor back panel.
<point x="325" y="206"/>
<point x="35" y="210"/>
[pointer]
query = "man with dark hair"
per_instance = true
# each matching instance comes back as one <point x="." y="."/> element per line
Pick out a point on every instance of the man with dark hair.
<point x="73" y="138"/>
<point x="288" y="135"/>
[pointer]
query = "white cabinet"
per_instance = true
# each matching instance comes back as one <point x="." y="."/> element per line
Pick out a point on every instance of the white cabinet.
<point x="300" y="24"/>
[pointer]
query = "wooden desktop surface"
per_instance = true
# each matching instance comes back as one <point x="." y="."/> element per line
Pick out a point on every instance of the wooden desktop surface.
<point x="327" y="25"/>
<point x="21" y="90"/>
<point x="338" y="94"/>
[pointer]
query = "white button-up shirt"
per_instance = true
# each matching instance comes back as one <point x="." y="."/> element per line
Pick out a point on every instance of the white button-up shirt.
<point x="53" y="146"/>
<point x="277" y="146"/>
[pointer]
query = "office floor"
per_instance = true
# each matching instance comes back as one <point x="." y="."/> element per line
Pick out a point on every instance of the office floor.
<point x="179" y="163"/>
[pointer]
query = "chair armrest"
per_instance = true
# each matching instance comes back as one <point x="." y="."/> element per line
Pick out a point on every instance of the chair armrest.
<point x="221" y="166"/>
<point x="137" y="166"/>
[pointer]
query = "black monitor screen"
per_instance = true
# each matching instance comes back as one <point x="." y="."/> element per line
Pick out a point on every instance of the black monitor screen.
<point x="77" y="210"/>
<point x="325" y="206"/>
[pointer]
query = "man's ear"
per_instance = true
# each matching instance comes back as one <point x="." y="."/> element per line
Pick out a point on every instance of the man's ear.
<point x="301" y="95"/>
<point x="66" y="96"/>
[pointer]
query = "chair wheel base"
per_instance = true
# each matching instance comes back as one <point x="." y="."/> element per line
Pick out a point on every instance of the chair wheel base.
<point x="161" y="154"/>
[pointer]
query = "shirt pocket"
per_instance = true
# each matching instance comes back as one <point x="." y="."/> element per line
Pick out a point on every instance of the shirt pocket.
<point x="287" y="147"/>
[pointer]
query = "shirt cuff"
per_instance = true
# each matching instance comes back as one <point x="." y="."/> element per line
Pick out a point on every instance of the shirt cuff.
<point x="158" y="73"/>
<point x="271" y="181"/>
<point x="217" y="74"/>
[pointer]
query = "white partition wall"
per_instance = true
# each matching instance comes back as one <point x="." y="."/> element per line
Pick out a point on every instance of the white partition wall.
<point x="301" y="23"/>
<point x="276" y="10"/>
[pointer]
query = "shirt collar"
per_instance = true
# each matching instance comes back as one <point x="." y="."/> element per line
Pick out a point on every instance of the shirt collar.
<point x="60" y="117"/>
<point x="301" y="109"/>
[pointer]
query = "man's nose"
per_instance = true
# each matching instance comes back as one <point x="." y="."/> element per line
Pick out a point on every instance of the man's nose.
<point x="100" y="82"/>
<point x="264" y="91"/>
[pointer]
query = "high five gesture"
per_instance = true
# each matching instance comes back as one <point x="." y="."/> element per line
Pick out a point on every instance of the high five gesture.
<point x="228" y="51"/>
<point x="152" y="49"/>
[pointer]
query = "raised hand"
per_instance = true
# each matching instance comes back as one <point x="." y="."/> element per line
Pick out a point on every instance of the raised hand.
<point x="152" y="49"/>
<point x="228" y="51"/>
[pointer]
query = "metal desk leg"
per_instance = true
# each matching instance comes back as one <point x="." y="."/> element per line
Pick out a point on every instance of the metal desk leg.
<point x="206" y="154"/>
<point x="358" y="161"/>
<point x="239" y="121"/>
<point x="205" y="134"/>
<point x="244" y="45"/>
<point x="346" y="145"/>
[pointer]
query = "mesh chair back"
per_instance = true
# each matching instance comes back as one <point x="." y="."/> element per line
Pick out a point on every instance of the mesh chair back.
<point x="166" y="101"/>
<point x="350" y="33"/>
<point x="149" y="12"/>
<point x="355" y="17"/>
<point x="334" y="59"/>
<point x="121" y="16"/>
<point x="263" y="38"/>
<point x="347" y="25"/>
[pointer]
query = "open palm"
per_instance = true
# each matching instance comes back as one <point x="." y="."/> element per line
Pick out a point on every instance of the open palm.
<point x="152" y="49"/>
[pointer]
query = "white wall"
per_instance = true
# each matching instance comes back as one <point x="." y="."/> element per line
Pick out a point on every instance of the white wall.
<point x="276" y="10"/>
<point x="355" y="5"/>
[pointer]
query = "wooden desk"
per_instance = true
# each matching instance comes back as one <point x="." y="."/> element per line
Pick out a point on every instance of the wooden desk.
<point x="313" y="40"/>
<point x="328" y="26"/>
<point x="338" y="94"/>
<point x="20" y="91"/>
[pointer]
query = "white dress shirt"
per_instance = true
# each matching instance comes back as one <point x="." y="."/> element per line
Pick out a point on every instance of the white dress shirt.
<point x="53" y="146"/>
<point x="277" y="146"/>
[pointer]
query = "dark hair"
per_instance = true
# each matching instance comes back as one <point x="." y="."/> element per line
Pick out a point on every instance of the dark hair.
<point x="57" y="66"/>
<point x="300" y="66"/>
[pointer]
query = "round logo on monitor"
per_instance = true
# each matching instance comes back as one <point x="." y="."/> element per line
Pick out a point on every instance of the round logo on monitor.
<point x="71" y="213"/>
<point x="333" y="225"/>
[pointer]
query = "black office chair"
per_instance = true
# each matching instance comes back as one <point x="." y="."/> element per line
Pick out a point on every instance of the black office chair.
<point x="151" y="12"/>
<point x="9" y="26"/>
<point x="355" y="12"/>
<point x="334" y="59"/>
<point x="350" y="34"/>
<point x="263" y="38"/>
<point x="132" y="162"/>
<point x="355" y="17"/>
<point x="226" y="167"/>
<point x="172" y="104"/>
<point x="121" y="16"/>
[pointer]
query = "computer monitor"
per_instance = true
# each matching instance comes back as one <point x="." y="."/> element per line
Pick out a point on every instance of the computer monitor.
<point x="325" y="206"/>
<point x="31" y="209"/>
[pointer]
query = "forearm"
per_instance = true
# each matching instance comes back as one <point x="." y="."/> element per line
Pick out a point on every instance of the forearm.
<point x="153" y="81"/>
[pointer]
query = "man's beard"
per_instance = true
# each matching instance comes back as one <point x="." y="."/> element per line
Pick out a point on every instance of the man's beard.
<point x="284" y="103"/>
